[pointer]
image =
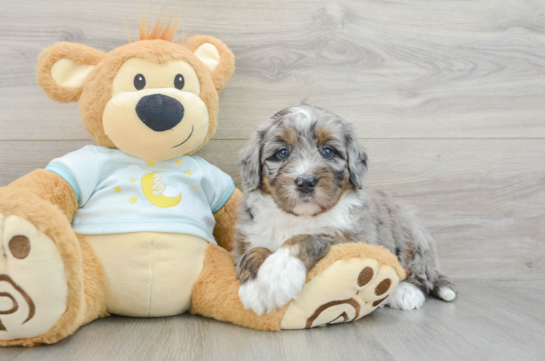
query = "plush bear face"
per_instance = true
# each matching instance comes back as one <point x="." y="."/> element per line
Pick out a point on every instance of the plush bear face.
<point x="153" y="99"/>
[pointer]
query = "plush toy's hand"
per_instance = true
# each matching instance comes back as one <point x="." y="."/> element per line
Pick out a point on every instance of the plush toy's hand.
<point x="279" y="280"/>
<point x="226" y="218"/>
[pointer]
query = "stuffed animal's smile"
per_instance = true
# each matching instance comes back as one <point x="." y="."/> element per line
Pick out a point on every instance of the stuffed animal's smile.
<point x="190" y="134"/>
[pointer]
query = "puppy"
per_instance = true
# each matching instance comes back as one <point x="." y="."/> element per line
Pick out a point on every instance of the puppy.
<point x="302" y="176"/>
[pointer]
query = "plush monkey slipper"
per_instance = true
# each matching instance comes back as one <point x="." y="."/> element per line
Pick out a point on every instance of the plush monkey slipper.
<point x="136" y="225"/>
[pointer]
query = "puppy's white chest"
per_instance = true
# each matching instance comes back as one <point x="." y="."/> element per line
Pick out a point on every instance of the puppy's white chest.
<point x="273" y="234"/>
<point x="272" y="226"/>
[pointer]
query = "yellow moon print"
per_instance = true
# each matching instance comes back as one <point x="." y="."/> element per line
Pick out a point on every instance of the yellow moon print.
<point x="160" y="200"/>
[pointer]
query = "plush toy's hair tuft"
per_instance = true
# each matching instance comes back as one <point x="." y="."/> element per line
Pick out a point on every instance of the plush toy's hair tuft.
<point x="165" y="28"/>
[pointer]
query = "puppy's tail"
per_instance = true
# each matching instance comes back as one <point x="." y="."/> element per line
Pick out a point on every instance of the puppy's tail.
<point x="443" y="288"/>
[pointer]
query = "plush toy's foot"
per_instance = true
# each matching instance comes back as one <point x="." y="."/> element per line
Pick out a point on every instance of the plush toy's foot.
<point x="33" y="286"/>
<point x="349" y="283"/>
<point x="50" y="283"/>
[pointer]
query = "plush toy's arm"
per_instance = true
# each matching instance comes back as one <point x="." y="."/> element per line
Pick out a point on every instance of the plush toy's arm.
<point x="50" y="187"/>
<point x="226" y="218"/>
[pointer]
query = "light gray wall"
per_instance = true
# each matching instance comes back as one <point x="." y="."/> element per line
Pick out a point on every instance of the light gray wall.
<point x="447" y="96"/>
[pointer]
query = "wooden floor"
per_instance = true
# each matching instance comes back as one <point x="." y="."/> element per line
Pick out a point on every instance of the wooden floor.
<point x="447" y="96"/>
<point x="490" y="321"/>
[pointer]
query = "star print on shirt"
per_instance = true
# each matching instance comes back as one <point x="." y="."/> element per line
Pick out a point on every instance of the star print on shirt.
<point x="133" y="199"/>
<point x="189" y="173"/>
<point x="179" y="162"/>
<point x="117" y="189"/>
<point x="149" y="163"/>
<point x="132" y="180"/>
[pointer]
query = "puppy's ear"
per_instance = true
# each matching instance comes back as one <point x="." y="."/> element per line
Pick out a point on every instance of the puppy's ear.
<point x="62" y="70"/>
<point x="250" y="162"/>
<point x="357" y="158"/>
<point x="250" y="157"/>
<point x="216" y="56"/>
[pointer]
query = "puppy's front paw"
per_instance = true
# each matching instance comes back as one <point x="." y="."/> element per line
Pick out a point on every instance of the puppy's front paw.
<point x="282" y="276"/>
<point x="251" y="296"/>
<point x="406" y="297"/>
<point x="279" y="280"/>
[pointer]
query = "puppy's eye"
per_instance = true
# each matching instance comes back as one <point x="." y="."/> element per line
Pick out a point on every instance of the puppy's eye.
<point x="139" y="82"/>
<point x="283" y="154"/>
<point x="327" y="153"/>
<point x="179" y="81"/>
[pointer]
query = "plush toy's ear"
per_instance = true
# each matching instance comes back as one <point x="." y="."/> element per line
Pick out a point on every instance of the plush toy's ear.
<point x="216" y="56"/>
<point x="62" y="69"/>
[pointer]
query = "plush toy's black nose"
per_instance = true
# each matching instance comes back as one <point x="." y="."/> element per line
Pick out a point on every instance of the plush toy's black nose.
<point x="305" y="185"/>
<point x="160" y="112"/>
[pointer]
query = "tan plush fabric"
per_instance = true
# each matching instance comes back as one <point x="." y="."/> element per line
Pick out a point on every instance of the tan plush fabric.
<point x="215" y="294"/>
<point x="51" y="221"/>
<point x="46" y="204"/>
<point x="97" y="89"/>
<point x="93" y="283"/>
<point x="336" y="290"/>
<point x="209" y="55"/>
<point x="357" y="250"/>
<point x="154" y="276"/>
<point x="125" y="129"/>
<point x="226" y="219"/>
<point x="50" y="187"/>
<point x="68" y="74"/>
<point x="33" y="276"/>
<point x="78" y="54"/>
<point x="337" y="295"/>
<point x="226" y="66"/>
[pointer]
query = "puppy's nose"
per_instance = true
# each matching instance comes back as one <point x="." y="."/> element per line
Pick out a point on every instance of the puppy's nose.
<point x="305" y="184"/>
<point x="160" y="112"/>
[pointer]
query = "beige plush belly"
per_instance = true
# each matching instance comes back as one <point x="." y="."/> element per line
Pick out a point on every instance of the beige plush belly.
<point x="149" y="274"/>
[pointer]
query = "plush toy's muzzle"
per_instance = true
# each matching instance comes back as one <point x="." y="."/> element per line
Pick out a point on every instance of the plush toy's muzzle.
<point x="156" y="124"/>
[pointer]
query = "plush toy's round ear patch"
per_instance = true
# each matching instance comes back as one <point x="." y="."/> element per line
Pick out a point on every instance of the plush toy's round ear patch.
<point x="62" y="70"/>
<point x="68" y="74"/>
<point x="209" y="55"/>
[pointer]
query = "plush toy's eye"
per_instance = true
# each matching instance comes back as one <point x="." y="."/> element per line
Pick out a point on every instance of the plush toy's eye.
<point x="179" y="81"/>
<point x="139" y="82"/>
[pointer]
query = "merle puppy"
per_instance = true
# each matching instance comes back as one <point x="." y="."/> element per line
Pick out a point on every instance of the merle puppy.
<point x="302" y="175"/>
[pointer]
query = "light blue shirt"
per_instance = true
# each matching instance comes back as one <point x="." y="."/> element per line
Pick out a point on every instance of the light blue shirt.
<point x="119" y="193"/>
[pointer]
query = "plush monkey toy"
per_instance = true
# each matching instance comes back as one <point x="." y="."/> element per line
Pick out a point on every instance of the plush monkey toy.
<point x="135" y="225"/>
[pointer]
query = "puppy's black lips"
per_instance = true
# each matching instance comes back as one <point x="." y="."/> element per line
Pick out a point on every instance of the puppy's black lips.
<point x="190" y="134"/>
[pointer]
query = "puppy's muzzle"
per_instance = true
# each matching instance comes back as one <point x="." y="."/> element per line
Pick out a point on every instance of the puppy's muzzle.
<point x="159" y="112"/>
<point x="305" y="184"/>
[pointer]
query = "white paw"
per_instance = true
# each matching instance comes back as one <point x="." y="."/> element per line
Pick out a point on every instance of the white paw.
<point x="406" y="297"/>
<point x="279" y="280"/>
<point x="251" y="296"/>
<point x="447" y="294"/>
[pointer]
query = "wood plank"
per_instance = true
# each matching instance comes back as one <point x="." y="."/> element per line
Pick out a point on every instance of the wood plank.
<point x="481" y="199"/>
<point x="467" y="329"/>
<point x="397" y="69"/>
